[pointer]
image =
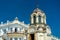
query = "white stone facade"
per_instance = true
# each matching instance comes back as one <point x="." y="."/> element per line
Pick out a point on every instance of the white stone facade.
<point x="36" y="30"/>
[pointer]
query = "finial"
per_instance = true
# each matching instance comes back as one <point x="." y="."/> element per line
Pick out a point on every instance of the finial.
<point x="16" y="18"/>
<point x="37" y="5"/>
<point x="7" y="21"/>
<point x="1" y="22"/>
<point x="23" y="22"/>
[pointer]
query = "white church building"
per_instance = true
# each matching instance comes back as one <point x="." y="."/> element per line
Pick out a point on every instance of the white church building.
<point x="36" y="30"/>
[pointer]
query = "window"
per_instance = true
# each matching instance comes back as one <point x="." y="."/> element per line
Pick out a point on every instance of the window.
<point x="4" y="30"/>
<point x="15" y="29"/>
<point x="15" y="38"/>
<point x="11" y="29"/>
<point x="34" y="19"/>
<point x="39" y="19"/>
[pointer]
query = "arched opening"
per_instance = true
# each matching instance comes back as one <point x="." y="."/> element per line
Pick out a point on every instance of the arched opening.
<point x="34" y="19"/>
<point x="11" y="29"/>
<point x="15" y="29"/>
<point x="39" y="19"/>
<point x="32" y="36"/>
<point x="4" y="30"/>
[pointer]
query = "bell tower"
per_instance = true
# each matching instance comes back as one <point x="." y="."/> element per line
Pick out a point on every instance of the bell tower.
<point x="38" y="29"/>
<point x="38" y="17"/>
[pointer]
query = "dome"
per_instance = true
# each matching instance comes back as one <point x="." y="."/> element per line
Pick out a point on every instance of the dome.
<point x="38" y="10"/>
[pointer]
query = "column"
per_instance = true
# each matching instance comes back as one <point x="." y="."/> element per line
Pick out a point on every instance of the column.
<point x="1" y="38"/>
<point x="9" y="30"/>
<point x="6" y="30"/>
<point x="32" y="21"/>
<point x="1" y="32"/>
<point x="9" y="39"/>
<point x="37" y="19"/>
<point x="18" y="39"/>
<point x="45" y="20"/>
<point x="13" y="39"/>
<point x="18" y="30"/>
<point x="42" y="20"/>
<point x="13" y="29"/>
<point x="22" y="38"/>
<point x="25" y="37"/>
<point x="29" y="38"/>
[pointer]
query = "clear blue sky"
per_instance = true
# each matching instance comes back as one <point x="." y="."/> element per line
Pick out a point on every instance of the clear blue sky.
<point x="9" y="9"/>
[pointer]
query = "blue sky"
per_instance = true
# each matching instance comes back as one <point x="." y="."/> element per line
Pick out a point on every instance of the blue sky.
<point x="9" y="9"/>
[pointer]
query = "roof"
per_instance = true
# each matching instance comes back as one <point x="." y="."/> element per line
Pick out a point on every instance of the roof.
<point x="37" y="10"/>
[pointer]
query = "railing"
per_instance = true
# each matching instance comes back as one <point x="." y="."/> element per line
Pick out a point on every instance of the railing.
<point x="10" y="35"/>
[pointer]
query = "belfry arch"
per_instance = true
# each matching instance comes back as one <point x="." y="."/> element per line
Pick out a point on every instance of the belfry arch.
<point x="39" y="19"/>
<point x="34" y="17"/>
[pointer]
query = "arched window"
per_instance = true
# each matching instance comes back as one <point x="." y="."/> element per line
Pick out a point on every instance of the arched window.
<point x="15" y="29"/>
<point x="34" y="19"/>
<point x="4" y="30"/>
<point x="11" y="29"/>
<point x="39" y="18"/>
